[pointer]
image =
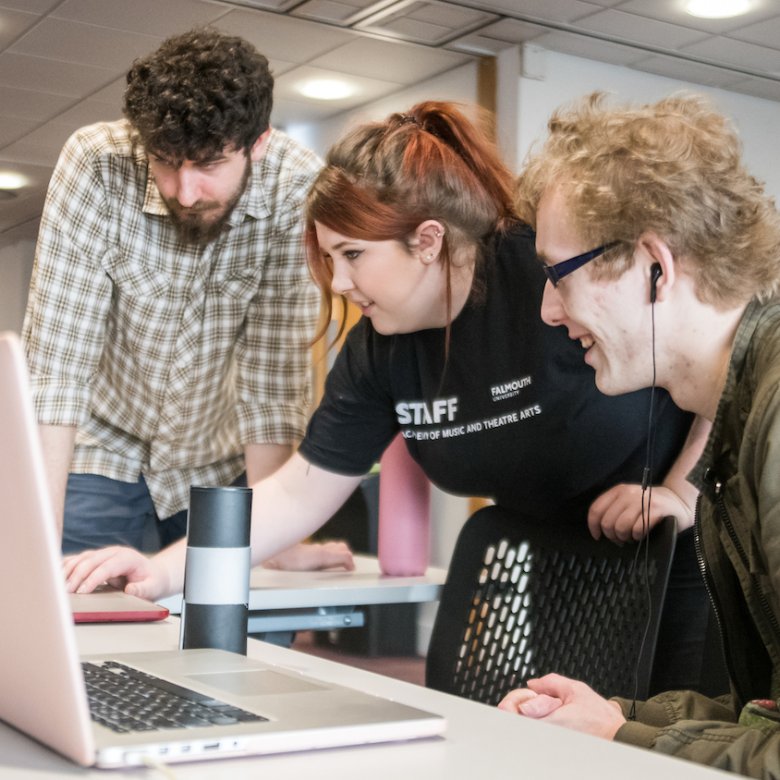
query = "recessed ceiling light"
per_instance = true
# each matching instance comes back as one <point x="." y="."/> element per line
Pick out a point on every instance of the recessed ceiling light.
<point x="717" y="9"/>
<point x="10" y="180"/>
<point x="326" y="89"/>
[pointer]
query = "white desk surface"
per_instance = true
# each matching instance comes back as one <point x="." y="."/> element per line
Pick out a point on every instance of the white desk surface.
<point x="273" y="589"/>
<point x="481" y="741"/>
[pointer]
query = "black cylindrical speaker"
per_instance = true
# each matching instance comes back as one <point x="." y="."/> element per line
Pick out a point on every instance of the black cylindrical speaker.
<point x="215" y="607"/>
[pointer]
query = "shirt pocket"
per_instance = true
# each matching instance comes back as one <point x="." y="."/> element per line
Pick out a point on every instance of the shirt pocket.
<point x="238" y="287"/>
<point x="136" y="282"/>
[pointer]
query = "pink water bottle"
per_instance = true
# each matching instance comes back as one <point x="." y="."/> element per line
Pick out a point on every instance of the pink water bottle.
<point x="404" y="513"/>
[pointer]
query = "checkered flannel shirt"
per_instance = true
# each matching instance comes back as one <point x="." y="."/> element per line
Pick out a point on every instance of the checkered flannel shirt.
<point x="169" y="357"/>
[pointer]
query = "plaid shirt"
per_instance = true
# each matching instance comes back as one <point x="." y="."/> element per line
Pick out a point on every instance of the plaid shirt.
<point x="169" y="357"/>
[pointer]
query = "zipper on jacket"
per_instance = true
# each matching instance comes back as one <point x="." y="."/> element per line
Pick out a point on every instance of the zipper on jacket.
<point x="723" y="512"/>
<point x="706" y="577"/>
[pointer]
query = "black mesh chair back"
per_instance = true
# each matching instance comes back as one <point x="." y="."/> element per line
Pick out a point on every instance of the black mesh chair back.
<point x="525" y="597"/>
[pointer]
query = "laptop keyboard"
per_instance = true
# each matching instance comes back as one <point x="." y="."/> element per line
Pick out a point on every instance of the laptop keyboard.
<point x="125" y="699"/>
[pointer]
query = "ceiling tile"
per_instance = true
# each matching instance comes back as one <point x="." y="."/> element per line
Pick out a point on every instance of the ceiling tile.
<point x="636" y="29"/>
<point x="51" y="135"/>
<point x="112" y="93"/>
<point x="337" y="11"/>
<point x="592" y="48"/>
<point x="513" y="31"/>
<point x="31" y="6"/>
<point x="766" y="33"/>
<point x="406" y="63"/>
<point x="87" y="112"/>
<point x="674" y="11"/>
<point x="283" y="37"/>
<point x="677" y="68"/>
<point x="424" y="21"/>
<point x="20" y="210"/>
<point x="277" y="67"/>
<point x="13" y="24"/>
<point x="268" y="5"/>
<point x="25" y="104"/>
<point x="544" y="10"/>
<point x="34" y="153"/>
<point x="85" y="44"/>
<point x="366" y="88"/>
<point x="758" y="87"/>
<point x="746" y="56"/>
<point x="479" y="45"/>
<point x="12" y="128"/>
<point x="63" y="78"/>
<point x="142" y="16"/>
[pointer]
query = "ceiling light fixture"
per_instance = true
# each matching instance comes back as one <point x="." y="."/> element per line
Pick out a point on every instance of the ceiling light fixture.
<point x="326" y="89"/>
<point x="10" y="180"/>
<point x="717" y="9"/>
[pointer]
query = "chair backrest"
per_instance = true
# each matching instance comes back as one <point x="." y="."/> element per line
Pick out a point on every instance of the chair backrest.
<point x="528" y="596"/>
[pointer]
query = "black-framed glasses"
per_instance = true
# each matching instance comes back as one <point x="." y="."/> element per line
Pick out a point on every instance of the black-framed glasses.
<point x="556" y="272"/>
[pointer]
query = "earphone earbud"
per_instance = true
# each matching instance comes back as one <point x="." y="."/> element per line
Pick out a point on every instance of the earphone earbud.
<point x="655" y="274"/>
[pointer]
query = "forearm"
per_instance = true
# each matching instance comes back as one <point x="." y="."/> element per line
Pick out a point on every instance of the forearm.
<point x="676" y="478"/>
<point x="57" y="442"/>
<point x="293" y="503"/>
<point x="262" y="460"/>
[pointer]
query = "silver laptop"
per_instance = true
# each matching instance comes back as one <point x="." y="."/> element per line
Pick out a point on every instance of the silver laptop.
<point x="258" y="709"/>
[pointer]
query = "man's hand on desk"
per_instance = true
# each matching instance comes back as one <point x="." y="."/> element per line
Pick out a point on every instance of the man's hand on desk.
<point x="309" y="557"/>
<point x="124" y="567"/>
<point x="564" y="702"/>
<point x="120" y="567"/>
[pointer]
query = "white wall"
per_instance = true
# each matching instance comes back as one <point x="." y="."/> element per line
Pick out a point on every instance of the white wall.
<point x="17" y="249"/>
<point x="563" y="78"/>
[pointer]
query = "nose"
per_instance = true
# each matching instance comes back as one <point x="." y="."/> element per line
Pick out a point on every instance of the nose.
<point x="552" y="306"/>
<point x="341" y="282"/>
<point x="187" y="186"/>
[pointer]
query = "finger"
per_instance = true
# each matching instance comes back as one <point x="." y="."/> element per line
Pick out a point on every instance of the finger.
<point x="625" y="525"/>
<point x="540" y="706"/>
<point x="144" y="589"/>
<point x="555" y="685"/>
<point x="115" y="565"/>
<point x="514" y="699"/>
<point x="78" y="567"/>
<point x="594" y="523"/>
<point x="640" y="528"/>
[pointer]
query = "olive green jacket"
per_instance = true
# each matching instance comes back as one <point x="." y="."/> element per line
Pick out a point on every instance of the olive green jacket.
<point x="738" y="539"/>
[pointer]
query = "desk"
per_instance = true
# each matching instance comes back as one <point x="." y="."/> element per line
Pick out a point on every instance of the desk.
<point x="481" y="741"/>
<point x="282" y="602"/>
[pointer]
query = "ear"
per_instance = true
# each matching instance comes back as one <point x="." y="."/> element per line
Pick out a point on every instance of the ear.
<point x="655" y="251"/>
<point x="429" y="237"/>
<point x="257" y="150"/>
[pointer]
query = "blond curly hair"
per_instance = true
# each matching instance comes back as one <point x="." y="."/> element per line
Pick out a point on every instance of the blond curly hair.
<point x="673" y="167"/>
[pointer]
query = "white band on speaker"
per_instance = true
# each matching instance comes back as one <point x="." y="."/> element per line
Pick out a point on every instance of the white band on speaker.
<point x="217" y="575"/>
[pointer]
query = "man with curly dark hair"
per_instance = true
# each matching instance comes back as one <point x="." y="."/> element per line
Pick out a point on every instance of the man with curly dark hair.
<point x="170" y="308"/>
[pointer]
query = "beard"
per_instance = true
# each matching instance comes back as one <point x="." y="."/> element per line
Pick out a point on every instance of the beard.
<point x="202" y="222"/>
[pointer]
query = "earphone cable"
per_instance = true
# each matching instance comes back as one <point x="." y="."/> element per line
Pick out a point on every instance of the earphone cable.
<point x="643" y="548"/>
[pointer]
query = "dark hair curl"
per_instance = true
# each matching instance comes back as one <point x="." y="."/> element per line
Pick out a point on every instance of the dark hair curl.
<point x="199" y="93"/>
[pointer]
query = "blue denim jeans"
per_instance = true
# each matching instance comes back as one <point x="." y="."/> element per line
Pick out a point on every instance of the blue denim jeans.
<point x="100" y="511"/>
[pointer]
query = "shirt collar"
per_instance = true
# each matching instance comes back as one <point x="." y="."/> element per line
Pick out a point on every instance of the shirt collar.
<point x="742" y="339"/>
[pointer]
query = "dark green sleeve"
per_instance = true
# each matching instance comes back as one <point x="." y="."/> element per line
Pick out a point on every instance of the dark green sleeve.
<point x="691" y="726"/>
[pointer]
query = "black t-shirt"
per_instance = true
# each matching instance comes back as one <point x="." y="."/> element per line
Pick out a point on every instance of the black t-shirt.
<point x="514" y="416"/>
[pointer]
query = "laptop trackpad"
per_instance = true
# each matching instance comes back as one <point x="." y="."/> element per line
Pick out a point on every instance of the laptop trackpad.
<point x="256" y="682"/>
